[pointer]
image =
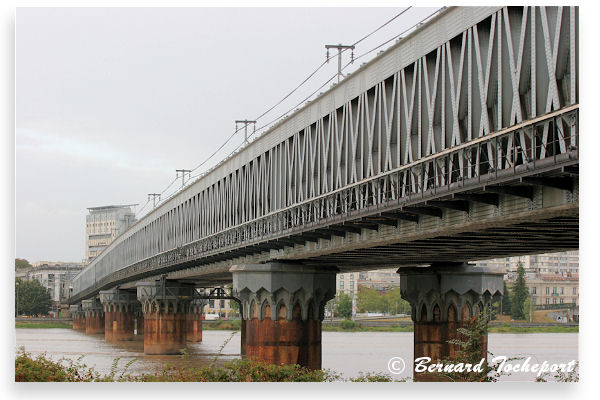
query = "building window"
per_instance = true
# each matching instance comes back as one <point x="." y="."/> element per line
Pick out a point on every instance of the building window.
<point x="547" y="290"/>
<point x="534" y="300"/>
<point x="222" y="304"/>
<point x="351" y="285"/>
<point x="562" y="301"/>
<point x="341" y="284"/>
<point x="211" y="304"/>
<point x="574" y="290"/>
<point x="562" y="290"/>
<point x="553" y="301"/>
<point x="533" y="290"/>
<point x="342" y="277"/>
<point x="554" y="291"/>
<point x="547" y="301"/>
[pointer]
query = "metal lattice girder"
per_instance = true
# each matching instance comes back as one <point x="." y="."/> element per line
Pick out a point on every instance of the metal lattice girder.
<point x="475" y="94"/>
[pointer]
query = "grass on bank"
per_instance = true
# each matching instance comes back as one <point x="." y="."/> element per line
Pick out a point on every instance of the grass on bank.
<point x="43" y="325"/>
<point x="506" y="328"/>
<point x="343" y="326"/>
<point x="353" y="326"/>
<point x="222" y="325"/>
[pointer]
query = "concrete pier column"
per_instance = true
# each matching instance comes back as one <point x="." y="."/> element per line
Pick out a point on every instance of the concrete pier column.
<point x="94" y="316"/>
<point x="194" y="320"/>
<point x="109" y="319"/>
<point x="165" y="305"/>
<point x="443" y="298"/>
<point x="282" y="310"/>
<point x="118" y="314"/>
<point x="78" y="317"/>
<point x="139" y="320"/>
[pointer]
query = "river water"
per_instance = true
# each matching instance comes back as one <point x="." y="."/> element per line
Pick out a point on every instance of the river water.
<point x="347" y="353"/>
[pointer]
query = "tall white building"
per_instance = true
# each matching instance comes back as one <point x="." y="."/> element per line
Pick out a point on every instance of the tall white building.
<point x="103" y="225"/>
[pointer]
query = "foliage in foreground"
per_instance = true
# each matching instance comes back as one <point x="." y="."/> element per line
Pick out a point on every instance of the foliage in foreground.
<point x="471" y="352"/>
<point x="42" y="369"/>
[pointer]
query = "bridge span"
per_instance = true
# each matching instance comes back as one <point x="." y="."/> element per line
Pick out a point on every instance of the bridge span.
<point x="458" y="143"/>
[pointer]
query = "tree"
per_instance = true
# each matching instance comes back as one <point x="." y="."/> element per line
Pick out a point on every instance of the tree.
<point x="506" y="300"/>
<point x="519" y="295"/>
<point x="31" y="298"/>
<point x="21" y="263"/>
<point x="234" y="305"/>
<point x="368" y="300"/>
<point x="344" y="305"/>
<point x="394" y="302"/>
<point x="330" y="307"/>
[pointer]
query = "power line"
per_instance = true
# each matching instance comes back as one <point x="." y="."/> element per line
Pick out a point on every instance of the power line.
<point x="292" y="92"/>
<point x="386" y="23"/>
<point x="141" y="209"/>
<point x="296" y="88"/>
<point x="397" y="36"/>
<point x="362" y="55"/>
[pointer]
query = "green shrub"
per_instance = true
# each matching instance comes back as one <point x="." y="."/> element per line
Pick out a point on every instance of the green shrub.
<point x="42" y="369"/>
<point x="348" y="324"/>
<point x="223" y="325"/>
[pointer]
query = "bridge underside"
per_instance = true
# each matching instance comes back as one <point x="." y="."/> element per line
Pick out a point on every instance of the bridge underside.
<point x="525" y="219"/>
<point x="557" y="233"/>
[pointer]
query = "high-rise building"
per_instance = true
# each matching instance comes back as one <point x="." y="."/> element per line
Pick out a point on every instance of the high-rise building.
<point x="103" y="225"/>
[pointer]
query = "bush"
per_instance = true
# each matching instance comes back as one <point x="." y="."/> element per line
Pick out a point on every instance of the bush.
<point x="223" y="325"/>
<point x="42" y="369"/>
<point x="348" y="324"/>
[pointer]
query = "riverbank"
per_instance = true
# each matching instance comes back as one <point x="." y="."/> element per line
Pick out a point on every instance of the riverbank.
<point x="43" y="325"/>
<point x="344" y="326"/>
<point x="352" y="326"/>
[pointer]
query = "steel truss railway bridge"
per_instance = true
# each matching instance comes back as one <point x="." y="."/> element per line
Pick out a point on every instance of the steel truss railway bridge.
<point x="458" y="143"/>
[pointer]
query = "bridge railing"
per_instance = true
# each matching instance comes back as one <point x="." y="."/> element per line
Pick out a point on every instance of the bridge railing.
<point x="528" y="148"/>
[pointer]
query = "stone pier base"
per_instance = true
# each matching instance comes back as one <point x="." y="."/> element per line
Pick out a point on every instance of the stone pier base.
<point x="119" y="314"/>
<point x="282" y="308"/>
<point x="139" y="324"/>
<point x="164" y="332"/>
<point x="194" y="321"/>
<point x="443" y="299"/>
<point x="284" y="342"/>
<point x="94" y="322"/>
<point x="94" y="316"/>
<point x="78" y="318"/>
<point x="109" y="319"/>
<point x="165" y="306"/>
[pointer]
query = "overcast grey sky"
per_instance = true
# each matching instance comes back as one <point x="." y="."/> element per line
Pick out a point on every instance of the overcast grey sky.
<point x="109" y="102"/>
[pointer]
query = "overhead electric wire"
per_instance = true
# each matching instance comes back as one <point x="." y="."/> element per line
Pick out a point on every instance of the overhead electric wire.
<point x="141" y="209"/>
<point x="292" y="92"/>
<point x="393" y="18"/>
<point x="299" y="86"/>
<point x="397" y="36"/>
